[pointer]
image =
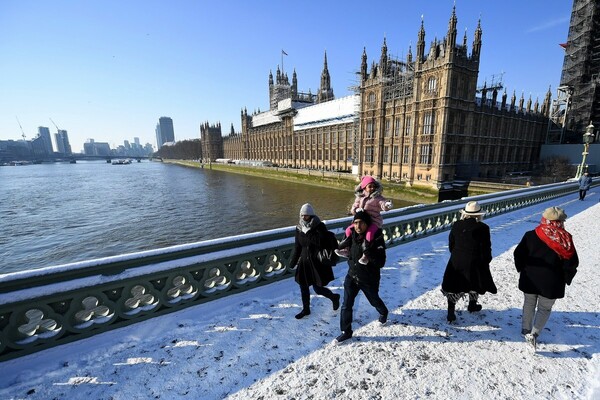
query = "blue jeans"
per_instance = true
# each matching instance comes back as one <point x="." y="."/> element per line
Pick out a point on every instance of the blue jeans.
<point x="351" y="289"/>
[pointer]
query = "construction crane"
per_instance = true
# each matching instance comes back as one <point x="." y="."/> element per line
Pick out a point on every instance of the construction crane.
<point x="57" y="128"/>
<point x="22" y="132"/>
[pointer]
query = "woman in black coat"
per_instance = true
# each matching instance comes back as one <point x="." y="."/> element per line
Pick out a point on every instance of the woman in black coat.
<point x="310" y="235"/>
<point x="547" y="261"/>
<point x="468" y="270"/>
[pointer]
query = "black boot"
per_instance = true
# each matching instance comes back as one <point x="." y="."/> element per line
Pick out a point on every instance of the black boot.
<point x="336" y="301"/>
<point x="302" y="314"/>
<point x="451" y="314"/>
<point x="473" y="306"/>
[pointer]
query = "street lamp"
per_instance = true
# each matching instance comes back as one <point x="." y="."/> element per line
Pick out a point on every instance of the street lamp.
<point x="588" y="137"/>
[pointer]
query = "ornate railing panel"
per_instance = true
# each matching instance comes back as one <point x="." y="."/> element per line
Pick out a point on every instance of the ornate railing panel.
<point x="47" y="307"/>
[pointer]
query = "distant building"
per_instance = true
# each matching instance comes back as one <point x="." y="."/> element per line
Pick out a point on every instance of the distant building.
<point x="14" y="150"/>
<point x="164" y="131"/>
<point x="45" y="146"/>
<point x="93" y="148"/>
<point x="211" y="142"/>
<point x="62" y="142"/>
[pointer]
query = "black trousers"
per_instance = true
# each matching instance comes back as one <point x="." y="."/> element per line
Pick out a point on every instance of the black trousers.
<point x="351" y="289"/>
<point x="582" y="194"/>
<point x="305" y="293"/>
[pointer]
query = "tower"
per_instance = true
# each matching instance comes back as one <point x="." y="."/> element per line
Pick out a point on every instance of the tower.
<point x="164" y="131"/>
<point x="325" y="90"/>
<point x="580" y="77"/>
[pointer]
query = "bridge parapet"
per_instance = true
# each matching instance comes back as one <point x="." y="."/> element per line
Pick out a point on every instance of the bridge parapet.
<point x="51" y="306"/>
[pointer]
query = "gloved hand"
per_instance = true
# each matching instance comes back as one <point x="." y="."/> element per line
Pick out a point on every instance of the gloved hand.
<point x="388" y="205"/>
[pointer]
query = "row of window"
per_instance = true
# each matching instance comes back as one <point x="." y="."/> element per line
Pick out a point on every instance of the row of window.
<point x="428" y="126"/>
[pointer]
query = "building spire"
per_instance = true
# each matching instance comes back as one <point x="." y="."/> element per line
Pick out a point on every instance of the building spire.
<point x="325" y="91"/>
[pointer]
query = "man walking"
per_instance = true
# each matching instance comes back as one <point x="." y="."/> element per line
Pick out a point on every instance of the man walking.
<point x="362" y="277"/>
<point x="584" y="185"/>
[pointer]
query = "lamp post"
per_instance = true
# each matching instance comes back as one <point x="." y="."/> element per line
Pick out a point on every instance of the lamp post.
<point x="588" y="137"/>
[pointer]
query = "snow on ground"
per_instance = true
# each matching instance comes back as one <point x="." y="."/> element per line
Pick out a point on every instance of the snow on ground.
<point x="249" y="346"/>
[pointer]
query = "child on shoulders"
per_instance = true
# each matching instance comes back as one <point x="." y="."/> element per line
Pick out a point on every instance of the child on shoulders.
<point x="368" y="199"/>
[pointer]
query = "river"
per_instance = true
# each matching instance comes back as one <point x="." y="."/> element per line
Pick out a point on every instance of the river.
<point x="52" y="214"/>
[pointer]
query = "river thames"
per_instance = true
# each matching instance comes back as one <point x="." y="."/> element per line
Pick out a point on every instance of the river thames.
<point x="52" y="214"/>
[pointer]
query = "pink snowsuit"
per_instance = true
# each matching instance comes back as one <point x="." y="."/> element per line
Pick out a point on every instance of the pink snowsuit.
<point x="372" y="204"/>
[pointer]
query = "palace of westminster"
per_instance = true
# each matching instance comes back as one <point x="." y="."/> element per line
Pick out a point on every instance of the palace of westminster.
<point x="420" y="121"/>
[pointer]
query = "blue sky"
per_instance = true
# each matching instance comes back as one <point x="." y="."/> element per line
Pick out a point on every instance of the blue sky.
<point x="109" y="69"/>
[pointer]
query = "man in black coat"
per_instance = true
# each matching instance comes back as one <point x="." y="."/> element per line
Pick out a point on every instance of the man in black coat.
<point x="547" y="261"/>
<point x="362" y="277"/>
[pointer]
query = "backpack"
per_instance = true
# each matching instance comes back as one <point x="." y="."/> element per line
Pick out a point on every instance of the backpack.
<point x="326" y="254"/>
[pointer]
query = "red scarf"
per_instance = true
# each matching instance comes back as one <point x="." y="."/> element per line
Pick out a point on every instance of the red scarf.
<point x="553" y="233"/>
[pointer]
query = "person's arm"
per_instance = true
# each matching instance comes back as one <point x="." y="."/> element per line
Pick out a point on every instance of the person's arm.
<point x="570" y="268"/>
<point x="520" y="254"/>
<point x="297" y="251"/>
<point x="486" y="244"/>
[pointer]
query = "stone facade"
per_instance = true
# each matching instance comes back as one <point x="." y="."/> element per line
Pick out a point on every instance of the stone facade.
<point x="421" y="121"/>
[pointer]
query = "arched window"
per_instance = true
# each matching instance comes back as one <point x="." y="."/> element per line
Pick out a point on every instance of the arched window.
<point x="371" y="100"/>
<point x="432" y="84"/>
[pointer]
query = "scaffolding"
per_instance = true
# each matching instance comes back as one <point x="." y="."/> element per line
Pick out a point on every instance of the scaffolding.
<point x="398" y="82"/>
<point x="578" y="97"/>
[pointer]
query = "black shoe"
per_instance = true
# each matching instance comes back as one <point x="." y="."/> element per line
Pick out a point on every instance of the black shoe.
<point x="473" y="306"/>
<point x="383" y="318"/>
<point x="302" y="314"/>
<point x="524" y="332"/>
<point x="336" y="301"/>
<point x="344" y="336"/>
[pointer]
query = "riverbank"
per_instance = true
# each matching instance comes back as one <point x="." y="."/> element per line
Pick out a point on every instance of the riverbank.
<point x="331" y="180"/>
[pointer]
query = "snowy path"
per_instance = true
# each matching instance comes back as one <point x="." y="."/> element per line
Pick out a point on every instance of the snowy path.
<point x="250" y="346"/>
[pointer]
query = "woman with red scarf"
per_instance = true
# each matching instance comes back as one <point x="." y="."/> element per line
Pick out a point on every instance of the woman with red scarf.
<point x="547" y="261"/>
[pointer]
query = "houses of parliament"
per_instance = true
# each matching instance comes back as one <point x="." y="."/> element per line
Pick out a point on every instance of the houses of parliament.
<point x="420" y="121"/>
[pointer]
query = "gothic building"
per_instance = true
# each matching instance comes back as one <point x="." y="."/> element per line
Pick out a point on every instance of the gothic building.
<point x="211" y="142"/>
<point x="420" y="121"/>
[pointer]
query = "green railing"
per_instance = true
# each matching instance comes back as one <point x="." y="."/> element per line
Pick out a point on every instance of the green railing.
<point x="51" y="306"/>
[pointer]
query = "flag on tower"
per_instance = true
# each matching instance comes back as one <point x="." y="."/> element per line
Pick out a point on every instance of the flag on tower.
<point x="283" y="52"/>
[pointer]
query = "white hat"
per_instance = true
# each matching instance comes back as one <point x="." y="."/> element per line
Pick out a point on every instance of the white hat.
<point x="307" y="209"/>
<point x="472" y="208"/>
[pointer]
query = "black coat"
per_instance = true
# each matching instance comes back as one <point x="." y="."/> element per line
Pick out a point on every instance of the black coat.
<point x="310" y="271"/>
<point x="543" y="272"/>
<point x="369" y="274"/>
<point x="470" y="255"/>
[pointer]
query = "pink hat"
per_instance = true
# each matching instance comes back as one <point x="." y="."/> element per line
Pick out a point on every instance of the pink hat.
<point x="366" y="180"/>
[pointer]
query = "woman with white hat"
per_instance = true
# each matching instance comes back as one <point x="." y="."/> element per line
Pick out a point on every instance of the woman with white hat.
<point x="468" y="270"/>
<point x="547" y="261"/>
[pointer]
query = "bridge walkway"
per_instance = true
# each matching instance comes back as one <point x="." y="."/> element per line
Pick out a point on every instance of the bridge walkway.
<point x="250" y="346"/>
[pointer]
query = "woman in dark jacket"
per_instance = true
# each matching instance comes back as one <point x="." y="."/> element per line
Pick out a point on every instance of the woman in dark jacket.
<point x="310" y="234"/>
<point x="468" y="270"/>
<point x="547" y="261"/>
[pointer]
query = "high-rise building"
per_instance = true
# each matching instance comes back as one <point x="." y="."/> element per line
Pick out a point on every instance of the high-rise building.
<point x="62" y="142"/>
<point x="164" y="131"/>
<point x="578" y="97"/>
<point x="46" y="140"/>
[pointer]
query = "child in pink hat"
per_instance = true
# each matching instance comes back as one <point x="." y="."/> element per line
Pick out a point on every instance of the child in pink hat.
<point x="368" y="199"/>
